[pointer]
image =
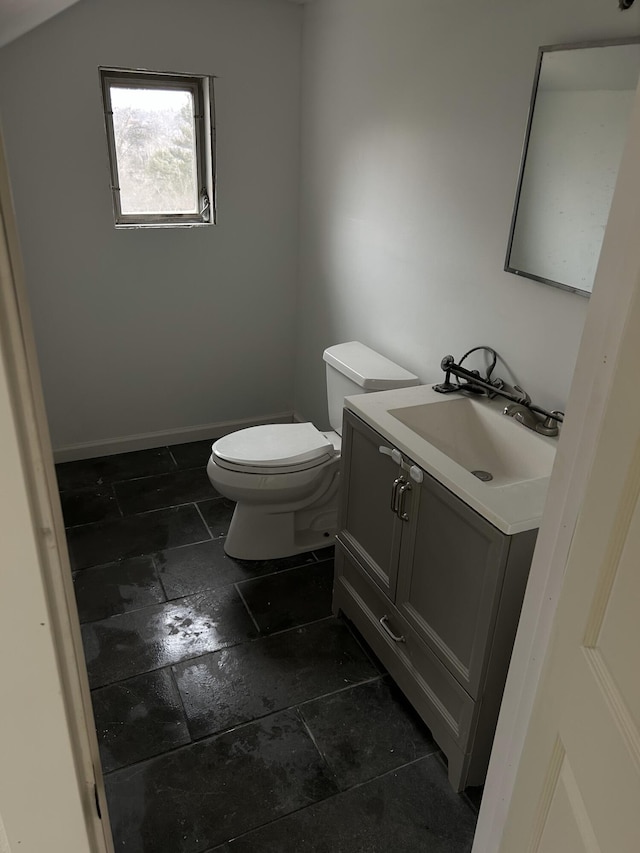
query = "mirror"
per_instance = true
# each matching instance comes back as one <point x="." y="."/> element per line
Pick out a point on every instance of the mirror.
<point x="580" y="109"/>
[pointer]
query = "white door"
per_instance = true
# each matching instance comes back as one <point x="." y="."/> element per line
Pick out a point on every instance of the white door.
<point x="577" y="787"/>
<point x="50" y="779"/>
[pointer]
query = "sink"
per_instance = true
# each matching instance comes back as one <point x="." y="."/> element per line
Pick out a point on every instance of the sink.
<point x="478" y="437"/>
<point x="448" y="437"/>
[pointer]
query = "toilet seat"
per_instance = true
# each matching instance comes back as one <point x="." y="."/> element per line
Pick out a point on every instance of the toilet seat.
<point x="274" y="449"/>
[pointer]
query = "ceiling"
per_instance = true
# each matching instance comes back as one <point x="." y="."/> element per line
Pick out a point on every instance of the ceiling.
<point x="19" y="16"/>
<point x="592" y="69"/>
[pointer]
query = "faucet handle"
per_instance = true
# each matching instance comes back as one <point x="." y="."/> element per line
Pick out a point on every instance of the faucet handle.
<point x="525" y="399"/>
<point x="551" y="424"/>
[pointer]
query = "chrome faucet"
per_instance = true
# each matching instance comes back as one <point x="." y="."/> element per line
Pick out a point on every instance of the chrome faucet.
<point x="545" y="423"/>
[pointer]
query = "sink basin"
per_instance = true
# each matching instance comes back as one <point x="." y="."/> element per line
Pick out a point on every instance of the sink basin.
<point x="478" y="437"/>
<point x="448" y="437"/>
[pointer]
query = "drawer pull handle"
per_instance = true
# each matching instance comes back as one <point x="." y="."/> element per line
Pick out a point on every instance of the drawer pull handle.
<point x="383" y="621"/>
<point x="400" y="511"/>
<point x="399" y="481"/>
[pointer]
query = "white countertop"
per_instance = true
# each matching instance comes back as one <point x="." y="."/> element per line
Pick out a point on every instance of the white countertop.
<point x="512" y="508"/>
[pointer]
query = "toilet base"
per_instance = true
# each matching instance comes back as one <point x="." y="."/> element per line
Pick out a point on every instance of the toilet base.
<point x="261" y="533"/>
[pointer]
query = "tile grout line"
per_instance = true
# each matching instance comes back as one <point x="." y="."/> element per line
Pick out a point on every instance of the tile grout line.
<point x="246" y="606"/>
<point x="110" y="456"/>
<point x="101" y="482"/>
<point x="185" y="545"/>
<point x="300" y="714"/>
<point x="188" y="502"/>
<point x="185" y="716"/>
<point x="235" y="727"/>
<point x="136" y="556"/>
<point x="146" y="553"/>
<point x="246" y="642"/>
<point x="115" y="497"/>
<point x="283" y="571"/>
<point x="157" y="475"/>
<point x="318" y="559"/>
<point x="156" y="572"/>
<point x="152" y="555"/>
<point x="296" y="627"/>
<point x="175" y="601"/>
<point x="323" y="800"/>
<point x="339" y="690"/>
<point x="207" y="528"/>
<point x="125" y="681"/>
<point x="138" y="515"/>
<point x="124" y="613"/>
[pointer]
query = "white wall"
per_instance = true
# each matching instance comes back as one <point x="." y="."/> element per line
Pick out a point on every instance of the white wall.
<point x="413" y="118"/>
<point x="162" y="329"/>
<point x="573" y="157"/>
<point x="414" y="114"/>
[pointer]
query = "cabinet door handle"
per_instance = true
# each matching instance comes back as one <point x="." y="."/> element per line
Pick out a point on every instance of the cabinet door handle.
<point x="404" y="488"/>
<point x="397" y="639"/>
<point x="399" y="481"/>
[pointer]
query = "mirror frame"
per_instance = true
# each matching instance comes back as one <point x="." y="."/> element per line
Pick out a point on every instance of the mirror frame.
<point x="523" y="159"/>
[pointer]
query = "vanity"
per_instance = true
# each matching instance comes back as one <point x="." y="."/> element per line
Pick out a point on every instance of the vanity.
<point x="432" y="561"/>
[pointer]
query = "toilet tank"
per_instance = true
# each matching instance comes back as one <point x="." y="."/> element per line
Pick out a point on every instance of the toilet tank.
<point x="353" y="368"/>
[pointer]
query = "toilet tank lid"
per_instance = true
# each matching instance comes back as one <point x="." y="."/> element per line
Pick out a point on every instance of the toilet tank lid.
<point x="368" y="368"/>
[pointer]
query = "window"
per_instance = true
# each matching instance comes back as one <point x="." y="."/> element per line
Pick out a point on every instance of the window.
<point x="160" y="134"/>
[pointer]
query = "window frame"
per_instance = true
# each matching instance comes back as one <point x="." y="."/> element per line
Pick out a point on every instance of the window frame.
<point x="201" y="88"/>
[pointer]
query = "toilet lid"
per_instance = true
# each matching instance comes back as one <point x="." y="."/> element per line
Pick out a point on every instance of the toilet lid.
<point x="274" y="446"/>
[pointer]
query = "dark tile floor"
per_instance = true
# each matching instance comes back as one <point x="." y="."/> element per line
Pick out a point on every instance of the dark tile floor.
<point x="234" y="712"/>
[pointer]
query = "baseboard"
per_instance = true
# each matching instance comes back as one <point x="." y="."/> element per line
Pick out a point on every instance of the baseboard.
<point x="146" y="441"/>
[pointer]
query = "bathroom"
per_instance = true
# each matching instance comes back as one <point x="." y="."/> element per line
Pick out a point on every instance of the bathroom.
<point x="368" y="156"/>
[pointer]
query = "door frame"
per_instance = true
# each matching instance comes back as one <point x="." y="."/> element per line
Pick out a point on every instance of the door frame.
<point x="55" y="797"/>
<point x="617" y="281"/>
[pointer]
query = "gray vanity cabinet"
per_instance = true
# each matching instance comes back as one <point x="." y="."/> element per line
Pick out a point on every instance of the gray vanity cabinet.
<point x="454" y="562"/>
<point x="368" y="526"/>
<point x="434" y="588"/>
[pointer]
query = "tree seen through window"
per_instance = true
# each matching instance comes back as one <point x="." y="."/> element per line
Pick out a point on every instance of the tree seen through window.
<point x="156" y="150"/>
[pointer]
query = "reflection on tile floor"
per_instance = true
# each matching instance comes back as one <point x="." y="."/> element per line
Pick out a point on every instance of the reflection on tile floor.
<point x="233" y="711"/>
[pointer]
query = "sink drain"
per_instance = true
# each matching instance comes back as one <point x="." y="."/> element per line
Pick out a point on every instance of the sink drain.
<point x="485" y="476"/>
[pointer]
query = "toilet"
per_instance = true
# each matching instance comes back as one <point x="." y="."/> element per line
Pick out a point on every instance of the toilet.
<point x="284" y="477"/>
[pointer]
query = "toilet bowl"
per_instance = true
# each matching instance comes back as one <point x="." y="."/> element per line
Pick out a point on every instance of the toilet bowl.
<point x="273" y="472"/>
<point x="284" y="478"/>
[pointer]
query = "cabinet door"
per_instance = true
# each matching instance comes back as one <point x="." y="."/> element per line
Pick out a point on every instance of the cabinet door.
<point x="367" y="525"/>
<point x="452" y="566"/>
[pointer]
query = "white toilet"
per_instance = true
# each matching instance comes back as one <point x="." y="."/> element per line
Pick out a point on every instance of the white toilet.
<point x="284" y="477"/>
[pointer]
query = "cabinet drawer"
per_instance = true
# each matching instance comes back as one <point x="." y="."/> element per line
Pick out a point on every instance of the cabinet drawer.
<point x="441" y="702"/>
